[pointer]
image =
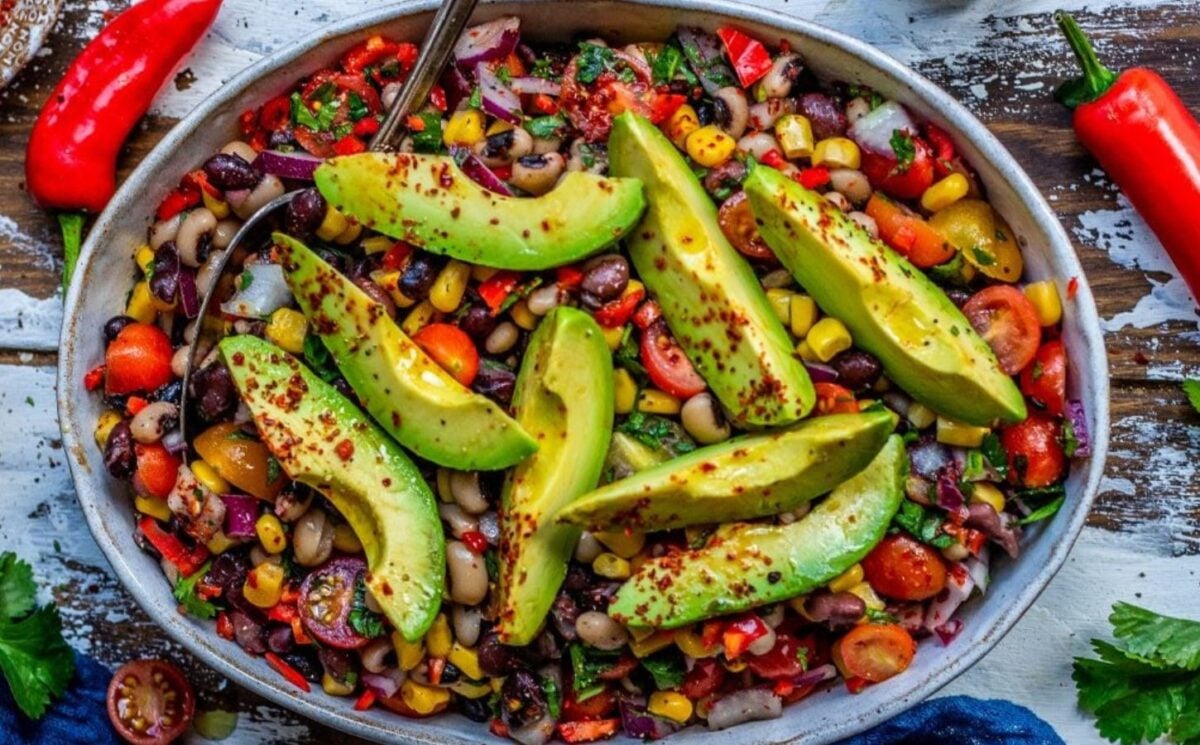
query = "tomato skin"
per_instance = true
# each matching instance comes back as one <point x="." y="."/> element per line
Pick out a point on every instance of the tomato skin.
<point x="784" y="659"/>
<point x="884" y="173"/>
<point x="908" y="233"/>
<point x="737" y="223"/>
<point x="1008" y="322"/>
<point x="451" y="348"/>
<point x="874" y="652"/>
<point x="704" y="679"/>
<point x="666" y="364"/>
<point x="902" y="568"/>
<point x="157" y="469"/>
<point x="1035" y="454"/>
<point x="326" y="599"/>
<point x="598" y="706"/>
<point x="747" y="55"/>
<point x="1045" y="379"/>
<point x="740" y="633"/>
<point x="139" y="359"/>
<point x="592" y="106"/>
<point x="133" y="693"/>
<point x="617" y="312"/>
<point x="834" y="399"/>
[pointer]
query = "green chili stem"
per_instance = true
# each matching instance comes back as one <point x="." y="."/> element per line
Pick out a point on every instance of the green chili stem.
<point x="1096" y="77"/>
<point x="71" y="224"/>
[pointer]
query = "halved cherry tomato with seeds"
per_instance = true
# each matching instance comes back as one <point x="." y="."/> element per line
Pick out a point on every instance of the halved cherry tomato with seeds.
<point x="451" y="348"/>
<point x="1035" y="454"/>
<point x="874" y="652"/>
<point x="592" y="106"/>
<point x="835" y="399"/>
<point x="909" y="181"/>
<point x="139" y="359"/>
<point x="704" y="679"/>
<point x="1045" y="379"/>
<point x="150" y="702"/>
<point x="666" y="364"/>
<point x="737" y="223"/>
<point x="903" y="568"/>
<point x="327" y="599"/>
<point x="1008" y="322"/>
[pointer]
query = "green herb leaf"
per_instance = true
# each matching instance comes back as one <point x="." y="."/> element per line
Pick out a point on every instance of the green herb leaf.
<point x="303" y="116"/>
<point x="35" y="661"/>
<point x="193" y="604"/>
<point x="553" y="697"/>
<point x="18" y="593"/>
<point x="586" y="666"/>
<point x="1041" y="513"/>
<point x="543" y="67"/>
<point x="983" y="257"/>
<point x="361" y="618"/>
<point x="657" y="432"/>
<point x="924" y="525"/>
<point x="429" y="139"/>
<point x="545" y="126"/>
<point x="592" y="61"/>
<point x="274" y="470"/>
<point x="997" y="456"/>
<point x="666" y="63"/>
<point x="245" y="279"/>
<point x="628" y="356"/>
<point x="667" y="669"/>
<point x="1070" y="439"/>
<point x="1192" y="388"/>
<point x="903" y="147"/>
<point x="1173" y="642"/>
<point x="874" y="615"/>
<point x="356" y="107"/>
<point x="476" y="99"/>
<point x="71" y="225"/>
<point x="319" y="359"/>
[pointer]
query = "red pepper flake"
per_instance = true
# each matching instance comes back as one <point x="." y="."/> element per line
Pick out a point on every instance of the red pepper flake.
<point x="365" y="701"/>
<point x="498" y="728"/>
<point x="289" y="673"/>
<point x="813" y="178"/>
<point x="345" y="450"/>
<point x="475" y="541"/>
<point x="94" y="378"/>
<point x="1072" y="288"/>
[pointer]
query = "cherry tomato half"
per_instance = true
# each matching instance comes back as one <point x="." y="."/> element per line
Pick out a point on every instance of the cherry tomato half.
<point x="909" y="234"/>
<point x="1045" y="379"/>
<point x="150" y="702"/>
<point x="874" y="652"/>
<point x="157" y="469"/>
<point x="886" y="174"/>
<point x="1035" y="455"/>
<point x="667" y="365"/>
<point x="327" y="598"/>
<point x="451" y="348"/>
<point x="789" y="658"/>
<point x="834" y="399"/>
<point x="139" y="359"/>
<point x="902" y="568"/>
<point x="1008" y="322"/>
<point x="704" y="679"/>
<point x="591" y="106"/>
<point x="737" y="223"/>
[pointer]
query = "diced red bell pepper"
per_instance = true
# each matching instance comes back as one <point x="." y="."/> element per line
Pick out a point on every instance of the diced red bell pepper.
<point x="134" y="404"/>
<point x="368" y="53"/>
<point x="813" y="178"/>
<point x="772" y="158"/>
<point x="434" y="667"/>
<point x="711" y="632"/>
<point x="365" y="701"/>
<point x="187" y="561"/>
<point x="275" y="114"/>
<point x="224" y="626"/>
<point x="750" y="59"/>
<point x="248" y="122"/>
<point x="94" y="378"/>
<point x="664" y="105"/>
<point x="588" y="731"/>
<point x="618" y="312"/>
<point x="289" y="673"/>
<point x="646" y="315"/>
<point x="437" y="97"/>
<point x="298" y="633"/>
<point x="544" y="104"/>
<point x="1072" y="287"/>
<point x="496" y="289"/>
<point x="283" y="612"/>
<point x="177" y="201"/>
<point x="366" y="127"/>
<point x="415" y="123"/>
<point x="396" y="256"/>
<point x="349" y="145"/>
<point x="568" y="277"/>
<point x="740" y="634"/>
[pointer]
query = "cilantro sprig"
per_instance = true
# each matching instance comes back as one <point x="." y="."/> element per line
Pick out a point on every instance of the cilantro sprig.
<point x="34" y="659"/>
<point x="1191" y="387"/>
<point x="1148" y="688"/>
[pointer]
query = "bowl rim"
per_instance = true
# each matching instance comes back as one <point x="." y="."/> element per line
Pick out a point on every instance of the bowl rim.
<point x="228" y="662"/>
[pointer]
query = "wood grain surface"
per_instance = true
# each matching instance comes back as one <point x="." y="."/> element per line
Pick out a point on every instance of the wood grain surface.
<point x="1001" y="58"/>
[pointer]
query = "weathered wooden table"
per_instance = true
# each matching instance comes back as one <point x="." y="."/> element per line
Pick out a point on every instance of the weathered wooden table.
<point x="1002" y="58"/>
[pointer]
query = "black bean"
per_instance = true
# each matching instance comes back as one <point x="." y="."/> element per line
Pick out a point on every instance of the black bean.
<point x="419" y="274"/>
<point x="958" y="296"/>
<point x="827" y="117"/>
<point x="170" y="392"/>
<point x="497" y="145"/>
<point x="589" y="301"/>
<point x="113" y="326"/>
<point x="597" y="596"/>
<point x="164" y="278"/>
<point x="478" y="322"/>
<point x="228" y="571"/>
<point x="248" y="632"/>
<point x="705" y="111"/>
<point x="729" y="175"/>
<point x="495" y="659"/>
<point x="475" y="709"/>
<point x="305" y="213"/>
<point x="119" y="456"/>
<point x="522" y="699"/>
<point x="213" y="392"/>
<point x="280" y="639"/>
<point x="281" y="138"/>
<point x="450" y="674"/>
<point x="577" y="580"/>
<point x="495" y="381"/>
<point x="230" y="172"/>
<point x="606" y="276"/>
<point x="857" y="370"/>
<point x="563" y="613"/>
<point x="836" y="608"/>
<point x="378" y="294"/>
<point x="304" y="661"/>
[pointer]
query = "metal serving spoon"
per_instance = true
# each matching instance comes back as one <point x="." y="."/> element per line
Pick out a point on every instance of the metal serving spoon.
<point x="436" y="49"/>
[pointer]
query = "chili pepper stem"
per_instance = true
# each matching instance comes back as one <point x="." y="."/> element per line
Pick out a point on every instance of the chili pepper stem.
<point x="71" y="224"/>
<point x="1096" y="77"/>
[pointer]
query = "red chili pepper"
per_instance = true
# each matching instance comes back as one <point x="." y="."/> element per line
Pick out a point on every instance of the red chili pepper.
<point x="187" y="561"/>
<point x="70" y="162"/>
<point x="748" y="56"/>
<point x="496" y="289"/>
<point x="813" y="178"/>
<point x="1148" y="142"/>
<point x="289" y="673"/>
<point x="94" y="378"/>
<point x="365" y="701"/>
<point x="475" y="541"/>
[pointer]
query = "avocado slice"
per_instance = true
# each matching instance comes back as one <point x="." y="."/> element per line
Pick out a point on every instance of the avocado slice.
<point x="926" y="345"/>
<point x="428" y="201"/>
<point x="409" y="394"/>
<point x="627" y="456"/>
<point x="710" y="298"/>
<point x="564" y="396"/>
<point x="745" y="565"/>
<point x="323" y="440"/>
<point x="754" y="476"/>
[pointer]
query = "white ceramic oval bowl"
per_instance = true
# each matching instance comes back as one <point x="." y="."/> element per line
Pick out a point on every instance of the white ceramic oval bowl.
<point x="105" y="274"/>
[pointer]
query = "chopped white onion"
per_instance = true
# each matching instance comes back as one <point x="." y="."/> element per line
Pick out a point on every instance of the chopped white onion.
<point x="264" y="292"/>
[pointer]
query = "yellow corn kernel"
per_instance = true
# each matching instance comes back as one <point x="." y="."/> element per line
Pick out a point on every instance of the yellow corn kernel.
<point x="417" y="318"/>
<point x="332" y="225"/>
<point x="827" y="338"/>
<point x="270" y="533"/>
<point x="220" y="543"/>
<point x="144" y="258"/>
<point x="377" y="244"/>
<point x="352" y="233"/>
<point x="613" y="336"/>
<point x="264" y="585"/>
<point x="670" y="705"/>
<point x="781" y="301"/>
<point x="805" y="352"/>
<point x="495" y="683"/>
<point x="497" y="127"/>
<point x="141" y="306"/>
<point x="443" y="485"/>
<point x="709" y="146"/>
<point x="651" y="644"/>
<point x="868" y="595"/>
<point x="625" y="545"/>
<point x="624" y="391"/>
<point x="152" y="506"/>
<point x="802" y="314"/>
<point x="467" y="689"/>
<point x="464" y="128"/>
<point x="439" y="640"/>
<point x="836" y="152"/>
<point x="219" y="207"/>
<point x="481" y="273"/>
<point x="988" y="494"/>
<point x="408" y="654"/>
<point x="466" y="660"/>
<point x="847" y="579"/>
<point x="654" y="401"/>
<point x="920" y="415"/>
<point x="961" y="434"/>
<point x="209" y="478"/>
<point x="692" y="644"/>
<point x="287" y="329"/>
<point x="736" y="666"/>
<point x="946" y="192"/>
<point x="390" y="281"/>
<point x="104" y="426"/>
<point x="424" y="699"/>
<point x="345" y="539"/>
<point x="1044" y="296"/>
<point x="640" y="633"/>
<point x="523" y="316"/>
<point x="611" y="566"/>
<point x="450" y="286"/>
<point x="795" y="136"/>
<point x="335" y="687"/>
<point x="681" y="124"/>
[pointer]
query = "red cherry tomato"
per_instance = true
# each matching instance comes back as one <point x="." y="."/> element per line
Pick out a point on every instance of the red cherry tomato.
<point x="667" y="365"/>
<point x="874" y="652"/>
<point x="884" y="172"/>
<point x="740" y="633"/>
<point x="902" y="568"/>
<point x="1006" y="319"/>
<point x="139" y="359"/>
<point x="157" y="469"/>
<point x="591" y="106"/>
<point x="598" y="706"/>
<point x="737" y="223"/>
<point x="1035" y="455"/>
<point x="451" y="348"/>
<point x="327" y="598"/>
<point x="834" y="399"/>
<point x="787" y="659"/>
<point x="908" y="233"/>
<point x="704" y="679"/>
<point x="1045" y="379"/>
<point x="150" y="702"/>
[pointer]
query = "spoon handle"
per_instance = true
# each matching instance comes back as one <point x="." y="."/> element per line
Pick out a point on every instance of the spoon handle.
<point x="436" y="48"/>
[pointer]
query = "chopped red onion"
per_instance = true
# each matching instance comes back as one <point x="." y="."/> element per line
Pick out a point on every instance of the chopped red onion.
<point x="189" y="298"/>
<point x="816" y="675"/>
<point x="532" y="86"/>
<point x="498" y="99"/>
<point x="640" y="725"/>
<point x="384" y="686"/>
<point x="456" y="86"/>
<point x="821" y="373"/>
<point x="475" y="170"/>
<point x="873" y="132"/>
<point x="948" y="631"/>
<point x="488" y="41"/>
<point x="958" y="588"/>
<point x="928" y="457"/>
<point x="977" y="567"/>
<point x="241" y="513"/>
<point x="1078" y="420"/>
<point x="749" y="705"/>
<point x="949" y="495"/>
<point x="297" y="165"/>
<point x="174" y="442"/>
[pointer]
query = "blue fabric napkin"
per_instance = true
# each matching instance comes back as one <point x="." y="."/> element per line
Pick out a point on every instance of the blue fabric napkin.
<point x="81" y="718"/>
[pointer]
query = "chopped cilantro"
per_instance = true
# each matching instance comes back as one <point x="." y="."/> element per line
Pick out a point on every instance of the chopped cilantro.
<point x="657" y="432"/>
<point x="666" y="667"/>
<point x="666" y="63"/>
<point x="1192" y="388"/>
<point x="503" y="74"/>
<point x="274" y="470"/>
<point x="903" y="147"/>
<point x="429" y="139"/>
<point x="303" y="116"/>
<point x="924" y="525"/>
<point x="543" y="67"/>
<point x="193" y="604"/>
<point x="35" y="661"/>
<point x="586" y="666"/>
<point x="356" y="107"/>
<point x="995" y="454"/>
<point x="587" y="155"/>
<point x="491" y="562"/>
<point x="628" y="356"/>
<point x="319" y="359"/>
<point x="592" y="61"/>
<point x="874" y="615"/>
<point x="1070" y="439"/>
<point x="545" y="126"/>
<point x="476" y="99"/>
<point x="361" y="618"/>
<point x="1044" y="502"/>
<point x="802" y="656"/>
<point x="974" y="467"/>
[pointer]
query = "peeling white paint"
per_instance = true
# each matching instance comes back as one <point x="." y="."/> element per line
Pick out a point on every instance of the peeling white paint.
<point x="29" y="323"/>
<point x="43" y="254"/>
